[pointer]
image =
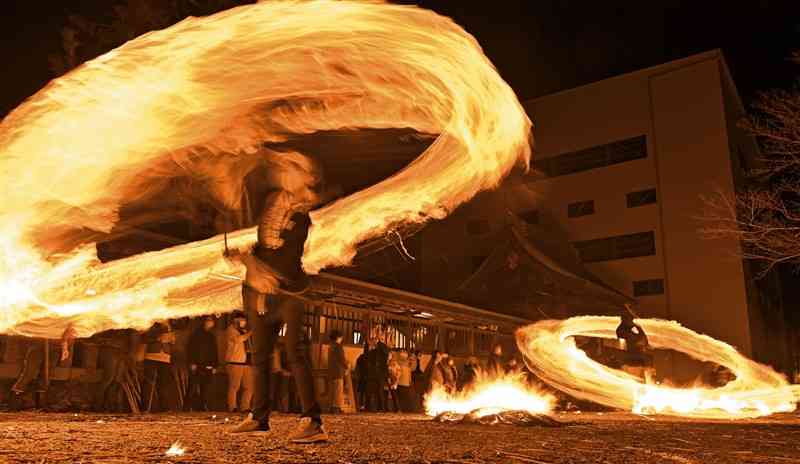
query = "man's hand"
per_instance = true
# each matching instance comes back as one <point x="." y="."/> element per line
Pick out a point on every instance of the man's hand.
<point x="193" y="367"/>
<point x="69" y="333"/>
<point x="66" y="339"/>
<point x="259" y="275"/>
<point x="233" y="254"/>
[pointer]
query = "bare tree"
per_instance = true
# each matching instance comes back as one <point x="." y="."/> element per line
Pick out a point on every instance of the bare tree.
<point x="765" y="215"/>
<point x="84" y="38"/>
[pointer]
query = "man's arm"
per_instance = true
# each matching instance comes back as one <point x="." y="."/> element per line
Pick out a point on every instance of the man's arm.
<point x="191" y="348"/>
<point x="384" y="349"/>
<point x="342" y="357"/>
<point x="234" y="336"/>
<point x="215" y="351"/>
<point x="643" y="334"/>
<point x="243" y="337"/>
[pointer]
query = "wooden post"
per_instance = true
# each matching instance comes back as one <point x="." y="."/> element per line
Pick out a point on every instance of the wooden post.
<point x="367" y="330"/>
<point x="13" y="351"/>
<point x="39" y="397"/>
<point x="315" y="324"/>
<point x="46" y="363"/>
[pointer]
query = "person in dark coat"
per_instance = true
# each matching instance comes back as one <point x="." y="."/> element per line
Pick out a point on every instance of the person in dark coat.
<point x="337" y="369"/>
<point x="635" y="341"/>
<point x="116" y="360"/>
<point x="361" y="373"/>
<point x="637" y="360"/>
<point x="468" y="374"/>
<point x="160" y="390"/>
<point x="203" y="363"/>
<point x="377" y="375"/>
<point x="419" y="382"/>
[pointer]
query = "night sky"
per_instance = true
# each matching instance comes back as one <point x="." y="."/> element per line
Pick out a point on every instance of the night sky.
<point x="538" y="46"/>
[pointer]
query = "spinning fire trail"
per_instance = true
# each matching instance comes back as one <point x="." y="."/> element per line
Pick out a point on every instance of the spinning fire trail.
<point x="200" y="99"/>
<point x="550" y="353"/>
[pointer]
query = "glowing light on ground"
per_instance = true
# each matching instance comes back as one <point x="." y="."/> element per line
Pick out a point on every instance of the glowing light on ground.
<point x="200" y="99"/>
<point x="176" y="450"/>
<point x="552" y="355"/>
<point x="490" y="395"/>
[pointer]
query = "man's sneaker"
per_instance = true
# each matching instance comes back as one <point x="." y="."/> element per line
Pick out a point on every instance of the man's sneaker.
<point x="308" y="431"/>
<point x="249" y="424"/>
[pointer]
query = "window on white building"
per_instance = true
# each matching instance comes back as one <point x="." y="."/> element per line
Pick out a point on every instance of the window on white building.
<point x="641" y="198"/>
<point x="618" y="247"/>
<point x="648" y="287"/>
<point x="580" y="208"/>
<point x="595" y="157"/>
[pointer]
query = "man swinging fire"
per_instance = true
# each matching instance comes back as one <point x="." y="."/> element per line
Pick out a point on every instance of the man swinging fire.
<point x="274" y="293"/>
<point x="637" y="360"/>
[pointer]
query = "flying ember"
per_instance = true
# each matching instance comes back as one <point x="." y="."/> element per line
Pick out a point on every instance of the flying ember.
<point x="176" y="450"/>
<point x="550" y="352"/>
<point x="199" y="100"/>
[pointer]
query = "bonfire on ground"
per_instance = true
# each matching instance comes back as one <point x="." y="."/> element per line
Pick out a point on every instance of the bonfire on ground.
<point x="503" y="398"/>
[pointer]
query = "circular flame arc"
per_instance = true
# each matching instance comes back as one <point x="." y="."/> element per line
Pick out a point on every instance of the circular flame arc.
<point x="550" y="352"/>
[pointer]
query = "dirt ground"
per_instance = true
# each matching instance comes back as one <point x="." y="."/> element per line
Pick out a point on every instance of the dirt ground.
<point x="40" y="438"/>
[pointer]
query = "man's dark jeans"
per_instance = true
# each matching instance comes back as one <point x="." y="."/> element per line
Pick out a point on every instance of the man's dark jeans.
<point x="278" y="310"/>
<point x="201" y="383"/>
<point x="376" y="395"/>
<point x="32" y="367"/>
<point x="159" y="392"/>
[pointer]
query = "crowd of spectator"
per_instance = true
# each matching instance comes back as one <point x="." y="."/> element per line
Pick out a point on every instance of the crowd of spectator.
<point x="206" y="364"/>
<point x="394" y="380"/>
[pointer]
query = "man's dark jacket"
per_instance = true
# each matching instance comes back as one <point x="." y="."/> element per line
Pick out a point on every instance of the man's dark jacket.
<point x="378" y="363"/>
<point x="202" y="348"/>
<point x="337" y="362"/>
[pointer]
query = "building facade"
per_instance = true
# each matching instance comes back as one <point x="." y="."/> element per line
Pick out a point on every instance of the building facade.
<point x="621" y="169"/>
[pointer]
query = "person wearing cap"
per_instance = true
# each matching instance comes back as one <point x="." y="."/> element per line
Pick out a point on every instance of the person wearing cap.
<point x="240" y="376"/>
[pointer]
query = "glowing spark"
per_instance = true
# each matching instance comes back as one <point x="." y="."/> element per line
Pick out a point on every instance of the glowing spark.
<point x="551" y="354"/>
<point x="200" y="99"/>
<point x="176" y="450"/>
<point x="490" y="395"/>
<point x="403" y="246"/>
